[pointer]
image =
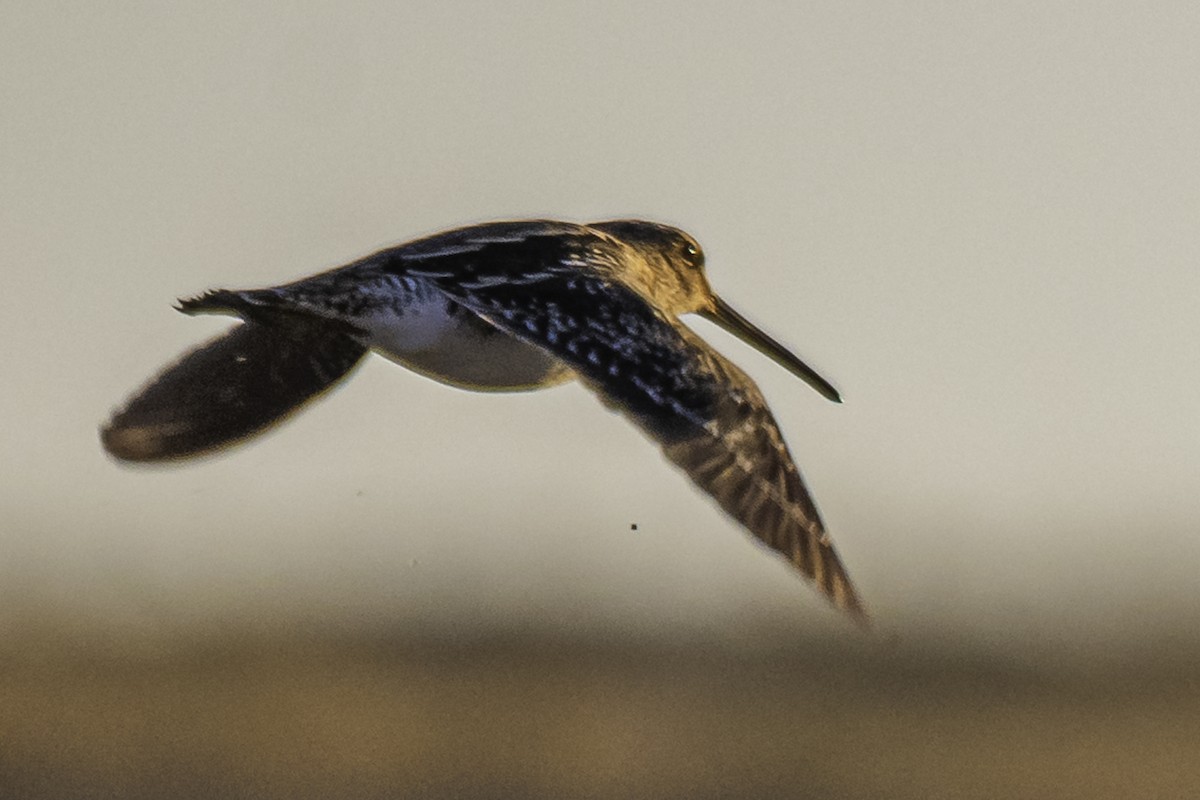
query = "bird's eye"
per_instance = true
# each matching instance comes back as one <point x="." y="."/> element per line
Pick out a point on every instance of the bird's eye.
<point x="692" y="255"/>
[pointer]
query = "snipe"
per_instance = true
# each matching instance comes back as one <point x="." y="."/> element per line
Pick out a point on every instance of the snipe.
<point x="510" y="306"/>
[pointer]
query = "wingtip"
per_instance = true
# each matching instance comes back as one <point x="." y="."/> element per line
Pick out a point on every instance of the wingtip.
<point x="130" y="444"/>
<point x="843" y="597"/>
<point x="859" y="616"/>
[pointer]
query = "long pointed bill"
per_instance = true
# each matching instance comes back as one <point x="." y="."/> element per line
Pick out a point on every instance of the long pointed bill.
<point x="724" y="315"/>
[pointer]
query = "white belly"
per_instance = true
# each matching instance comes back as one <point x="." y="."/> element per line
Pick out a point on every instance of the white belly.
<point x="454" y="346"/>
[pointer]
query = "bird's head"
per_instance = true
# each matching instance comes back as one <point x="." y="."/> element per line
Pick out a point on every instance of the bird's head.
<point x="676" y="284"/>
<point x="675" y="280"/>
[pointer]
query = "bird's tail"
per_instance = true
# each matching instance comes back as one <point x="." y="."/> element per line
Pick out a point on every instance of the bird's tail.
<point x="256" y="304"/>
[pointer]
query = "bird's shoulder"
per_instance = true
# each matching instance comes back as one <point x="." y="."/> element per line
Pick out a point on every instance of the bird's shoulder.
<point x="520" y="251"/>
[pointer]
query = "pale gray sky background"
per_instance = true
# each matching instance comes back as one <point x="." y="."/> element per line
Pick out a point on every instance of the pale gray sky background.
<point x="980" y="221"/>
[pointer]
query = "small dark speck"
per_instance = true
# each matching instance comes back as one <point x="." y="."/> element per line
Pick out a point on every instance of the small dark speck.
<point x="633" y="527"/>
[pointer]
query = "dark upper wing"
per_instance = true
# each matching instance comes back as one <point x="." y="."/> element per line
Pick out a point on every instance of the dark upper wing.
<point x="740" y="459"/>
<point x="513" y="236"/>
<point x="228" y="388"/>
<point x="243" y="381"/>
<point x="708" y="416"/>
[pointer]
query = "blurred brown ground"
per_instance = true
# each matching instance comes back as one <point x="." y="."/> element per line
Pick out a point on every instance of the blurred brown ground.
<point x="549" y="716"/>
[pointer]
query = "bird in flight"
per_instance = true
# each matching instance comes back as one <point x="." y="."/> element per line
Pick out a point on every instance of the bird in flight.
<point x="507" y="306"/>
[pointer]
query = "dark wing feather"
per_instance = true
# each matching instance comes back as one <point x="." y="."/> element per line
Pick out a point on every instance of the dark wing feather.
<point x="740" y="459"/>
<point x="240" y="383"/>
<point x="229" y="388"/>
<point x="708" y="416"/>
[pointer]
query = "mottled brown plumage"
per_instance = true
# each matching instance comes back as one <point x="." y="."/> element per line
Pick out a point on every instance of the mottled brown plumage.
<point x="508" y="306"/>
